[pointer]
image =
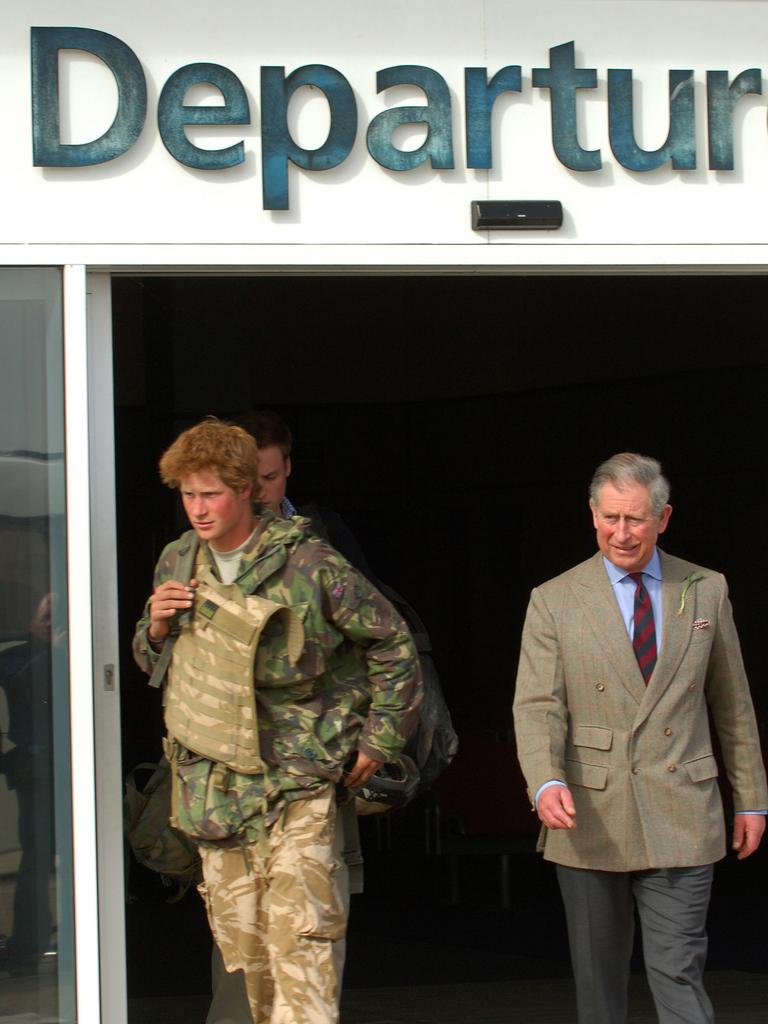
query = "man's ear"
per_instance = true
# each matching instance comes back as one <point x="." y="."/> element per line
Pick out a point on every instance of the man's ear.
<point x="664" y="518"/>
<point x="593" y="508"/>
<point x="288" y="466"/>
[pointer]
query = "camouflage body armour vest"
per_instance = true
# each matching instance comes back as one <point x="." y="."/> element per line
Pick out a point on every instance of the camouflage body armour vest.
<point x="210" y="699"/>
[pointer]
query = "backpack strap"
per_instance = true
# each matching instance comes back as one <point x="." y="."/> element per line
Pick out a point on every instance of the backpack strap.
<point x="185" y="563"/>
<point x="416" y="627"/>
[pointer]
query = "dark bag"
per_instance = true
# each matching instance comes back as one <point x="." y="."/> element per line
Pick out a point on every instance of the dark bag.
<point x="434" y="743"/>
<point x="153" y="840"/>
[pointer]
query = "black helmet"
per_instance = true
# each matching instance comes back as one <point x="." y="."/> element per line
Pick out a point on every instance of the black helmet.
<point x="393" y="785"/>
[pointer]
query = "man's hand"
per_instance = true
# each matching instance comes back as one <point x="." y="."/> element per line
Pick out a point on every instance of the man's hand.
<point x="747" y="832"/>
<point x="363" y="768"/>
<point x="168" y="598"/>
<point x="556" y="808"/>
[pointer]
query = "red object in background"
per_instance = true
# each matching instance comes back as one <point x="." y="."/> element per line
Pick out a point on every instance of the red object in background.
<point x="484" y="788"/>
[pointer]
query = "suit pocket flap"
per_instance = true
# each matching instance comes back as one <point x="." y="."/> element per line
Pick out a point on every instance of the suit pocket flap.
<point x="594" y="736"/>
<point x="591" y="776"/>
<point x="702" y="768"/>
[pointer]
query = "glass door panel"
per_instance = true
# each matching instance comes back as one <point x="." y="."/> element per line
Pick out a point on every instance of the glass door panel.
<point x="36" y="898"/>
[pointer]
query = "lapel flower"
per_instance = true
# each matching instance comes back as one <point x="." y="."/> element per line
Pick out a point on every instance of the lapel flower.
<point x="688" y="582"/>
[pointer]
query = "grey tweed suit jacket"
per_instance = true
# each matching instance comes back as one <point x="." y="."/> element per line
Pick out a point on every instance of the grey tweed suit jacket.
<point x="639" y="760"/>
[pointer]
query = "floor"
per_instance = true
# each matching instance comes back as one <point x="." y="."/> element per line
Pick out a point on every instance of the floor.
<point x="431" y="943"/>
<point x="739" y="998"/>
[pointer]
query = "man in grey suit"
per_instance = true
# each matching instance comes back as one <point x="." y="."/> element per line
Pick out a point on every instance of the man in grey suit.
<point x="623" y="659"/>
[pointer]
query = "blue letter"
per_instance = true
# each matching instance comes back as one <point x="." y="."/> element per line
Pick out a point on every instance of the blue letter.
<point x="438" y="144"/>
<point x="277" y="146"/>
<point x="172" y="115"/>
<point x="562" y="78"/>
<point x="680" y="146"/>
<point x="721" y="99"/>
<point x="47" y="149"/>
<point x="480" y="96"/>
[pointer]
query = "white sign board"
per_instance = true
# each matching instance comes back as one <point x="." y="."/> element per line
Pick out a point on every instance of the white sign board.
<point x="146" y="195"/>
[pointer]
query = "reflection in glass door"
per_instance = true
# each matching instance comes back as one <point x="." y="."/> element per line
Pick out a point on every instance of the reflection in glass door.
<point x="36" y="900"/>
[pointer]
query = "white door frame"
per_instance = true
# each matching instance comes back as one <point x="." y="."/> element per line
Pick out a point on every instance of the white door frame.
<point x="94" y="662"/>
<point x="106" y="660"/>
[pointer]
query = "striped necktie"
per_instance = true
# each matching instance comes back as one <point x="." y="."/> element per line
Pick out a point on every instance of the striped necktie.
<point x="644" y="637"/>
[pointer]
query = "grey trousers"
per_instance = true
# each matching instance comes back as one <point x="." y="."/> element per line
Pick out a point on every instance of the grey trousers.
<point x="229" y="1004"/>
<point x="672" y="905"/>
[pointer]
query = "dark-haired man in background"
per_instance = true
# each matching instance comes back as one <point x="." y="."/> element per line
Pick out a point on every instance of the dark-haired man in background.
<point x="275" y="443"/>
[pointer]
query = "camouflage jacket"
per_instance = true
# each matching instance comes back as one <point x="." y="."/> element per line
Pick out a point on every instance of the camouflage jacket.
<point x="356" y="686"/>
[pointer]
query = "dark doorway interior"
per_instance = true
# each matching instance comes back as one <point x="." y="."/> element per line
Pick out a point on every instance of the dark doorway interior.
<point x="454" y="423"/>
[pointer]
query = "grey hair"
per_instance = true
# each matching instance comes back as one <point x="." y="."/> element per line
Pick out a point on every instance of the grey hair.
<point x="631" y="468"/>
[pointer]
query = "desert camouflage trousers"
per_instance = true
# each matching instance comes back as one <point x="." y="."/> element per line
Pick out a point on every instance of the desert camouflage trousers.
<point x="275" y="911"/>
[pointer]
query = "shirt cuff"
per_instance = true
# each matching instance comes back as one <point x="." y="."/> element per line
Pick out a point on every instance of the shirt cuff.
<point x="743" y="812"/>
<point x="548" y="785"/>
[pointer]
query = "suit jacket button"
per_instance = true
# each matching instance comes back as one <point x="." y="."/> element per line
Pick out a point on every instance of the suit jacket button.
<point x="635" y="771"/>
<point x="692" y="687"/>
<point x="671" y="767"/>
<point x="667" y="731"/>
<point x="600" y="687"/>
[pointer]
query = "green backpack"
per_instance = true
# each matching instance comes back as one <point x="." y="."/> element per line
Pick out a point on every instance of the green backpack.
<point x="154" y="842"/>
